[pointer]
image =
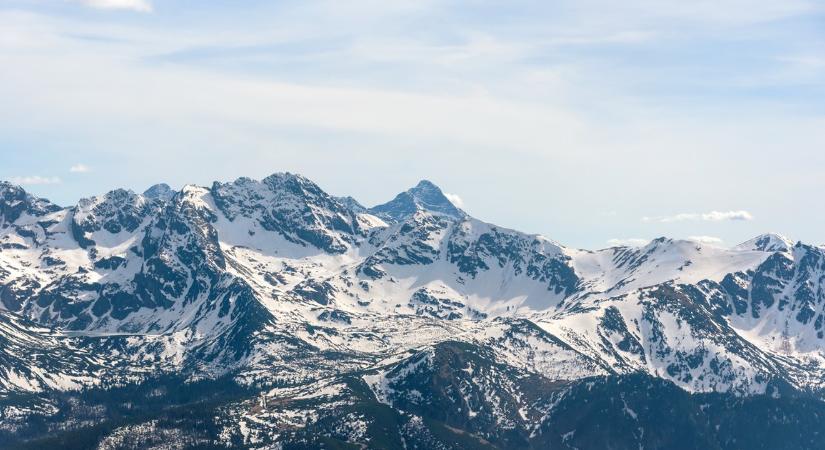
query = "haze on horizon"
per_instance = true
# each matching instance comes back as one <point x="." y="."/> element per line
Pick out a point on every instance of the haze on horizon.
<point x="588" y="122"/>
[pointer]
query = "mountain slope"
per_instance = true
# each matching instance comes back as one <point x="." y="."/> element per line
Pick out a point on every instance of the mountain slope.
<point x="314" y="320"/>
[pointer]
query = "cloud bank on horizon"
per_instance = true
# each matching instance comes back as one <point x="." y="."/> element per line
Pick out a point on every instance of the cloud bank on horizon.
<point x="572" y="119"/>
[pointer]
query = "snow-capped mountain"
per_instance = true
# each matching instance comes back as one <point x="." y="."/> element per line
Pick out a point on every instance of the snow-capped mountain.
<point x="297" y="318"/>
<point x="425" y="196"/>
<point x="769" y="242"/>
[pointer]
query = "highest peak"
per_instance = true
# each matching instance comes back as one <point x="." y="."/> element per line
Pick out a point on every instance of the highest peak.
<point x="425" y="185"/>
<point x="293" y="183"/>
<point x="425" y="196"/>
<point x="286" y="177"/>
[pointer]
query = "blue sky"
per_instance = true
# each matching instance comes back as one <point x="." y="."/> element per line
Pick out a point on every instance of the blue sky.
<point x="591" y="122"/>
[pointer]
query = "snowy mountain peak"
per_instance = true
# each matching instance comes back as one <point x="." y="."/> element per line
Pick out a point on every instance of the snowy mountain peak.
<point x="316" y="307"/>
<point x="115" y="212"/>
<point x="114" y="196"/>
<point x="292" y="206"/>
<point x="769" y="242"/>
<point x="425" y="196"/>
<point x="424" y="185"/>
<point x="160" y="191"/>
<point x="299" y="188"/>
<point x="352" y="204"/>
<point x="14" y="201"/>
<point x="286" y="179"/>
<point x="7" y="186"/>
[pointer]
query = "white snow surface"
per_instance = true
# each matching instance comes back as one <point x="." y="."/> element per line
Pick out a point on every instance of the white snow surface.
<point x="373" y="318"/>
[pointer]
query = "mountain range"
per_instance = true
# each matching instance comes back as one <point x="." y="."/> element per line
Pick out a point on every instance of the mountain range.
<point x="271" y="314"/>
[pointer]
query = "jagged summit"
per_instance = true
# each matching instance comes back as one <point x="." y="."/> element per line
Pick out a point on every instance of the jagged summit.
<point x="117" y="210"/>
<point x="425" y="196"/>
<point x="287" y="177"/>
<point x="768" y="242"/>
<point x="160" y="191"/>
<point x="292" y="206"/>
<point x="325" y="312"/>
<point x="14" y="201"/>
<point x="351" y="203"/>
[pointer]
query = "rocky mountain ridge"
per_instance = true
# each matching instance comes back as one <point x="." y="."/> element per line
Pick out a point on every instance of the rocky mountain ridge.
<point x="320" y="310"/>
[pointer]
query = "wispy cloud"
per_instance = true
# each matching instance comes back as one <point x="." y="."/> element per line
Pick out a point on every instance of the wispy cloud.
<point x="620" y="89"/>
<point x="79" y="168"/>
<point x="469" y="117"/>
<point x="35" y="179"/>
<point x="627" y="242"/>
<point x="711" y="240"/>
<point x="455" y="200"/>
<point x="133" y="5"/>
<point x="712" y="216"/>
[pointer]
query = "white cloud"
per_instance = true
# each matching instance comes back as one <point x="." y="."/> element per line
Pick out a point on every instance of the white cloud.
<point x="627" y="242"/>
<point x="716" y="216"/>
<point x="231" y="103"/>
<point x="711" y="240"/>
<point x="133" y="5"/>
<point x="455" y="200"/>
<point x="712" y="216"/>
<point x="181" y="96"/>
<point x="35" y="179"/>
<point x="79" y="168"/>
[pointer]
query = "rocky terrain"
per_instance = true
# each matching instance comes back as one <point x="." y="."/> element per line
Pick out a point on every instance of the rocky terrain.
<point x="271" y="314"/>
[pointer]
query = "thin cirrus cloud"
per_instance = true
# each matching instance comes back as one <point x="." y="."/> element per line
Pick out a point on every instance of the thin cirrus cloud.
<point x="35" y="180"/>
<point x="132" y="5"/>
<point x="224" y="100"/>
<point x="712" y="216"/>
<point x="79" y="168"/>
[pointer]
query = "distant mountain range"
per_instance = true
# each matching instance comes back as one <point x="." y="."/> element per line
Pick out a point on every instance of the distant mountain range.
<point x="271" y="314"/>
